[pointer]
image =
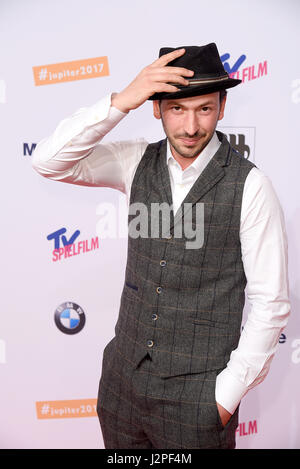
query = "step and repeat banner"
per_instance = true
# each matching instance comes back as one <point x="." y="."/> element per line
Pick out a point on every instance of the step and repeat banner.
<point x="59" y="305"/>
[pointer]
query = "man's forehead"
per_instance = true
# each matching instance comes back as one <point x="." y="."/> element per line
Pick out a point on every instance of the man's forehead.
<point x="194" y="100"/>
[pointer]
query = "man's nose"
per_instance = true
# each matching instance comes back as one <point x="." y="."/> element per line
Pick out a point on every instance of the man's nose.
<point x="191" y="125"/>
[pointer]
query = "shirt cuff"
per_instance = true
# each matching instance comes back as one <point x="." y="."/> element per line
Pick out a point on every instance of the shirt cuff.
<point x="103" y="110"/>
<point x="229" y="391"/>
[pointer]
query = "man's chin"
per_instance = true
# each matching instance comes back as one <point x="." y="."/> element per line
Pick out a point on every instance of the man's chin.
<point x="189" y="152"/>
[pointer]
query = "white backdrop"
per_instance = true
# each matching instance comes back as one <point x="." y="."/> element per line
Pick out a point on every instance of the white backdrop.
<point x="40" y="365"/>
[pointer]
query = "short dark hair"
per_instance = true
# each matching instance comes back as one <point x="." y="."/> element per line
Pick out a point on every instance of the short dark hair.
<point x="223" y="93"/>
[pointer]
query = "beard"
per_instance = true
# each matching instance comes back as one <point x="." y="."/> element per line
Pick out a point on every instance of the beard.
<point x="186" y="151"/>
<point x="189" y="151"/>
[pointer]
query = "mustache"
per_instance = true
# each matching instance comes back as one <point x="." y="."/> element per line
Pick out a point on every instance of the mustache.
<point x="197" y="134"/>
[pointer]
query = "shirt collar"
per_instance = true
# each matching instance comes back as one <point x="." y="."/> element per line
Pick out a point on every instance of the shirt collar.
<point x="203" y="158"/>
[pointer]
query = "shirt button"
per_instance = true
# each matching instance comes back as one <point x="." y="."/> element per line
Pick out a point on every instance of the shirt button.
<point x="169" y="236"/>
<point x="150" y="343"/>
<point x="163" y="262"/>
<point x="154" y="317"/>
<point x="158" y="290"/>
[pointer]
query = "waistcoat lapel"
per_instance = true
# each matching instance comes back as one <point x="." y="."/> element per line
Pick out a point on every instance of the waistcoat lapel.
<point x="164" y="172"/>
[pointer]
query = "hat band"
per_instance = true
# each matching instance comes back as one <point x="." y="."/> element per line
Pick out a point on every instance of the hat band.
<point x="203" y="81"/>
<point x="200" y="81"/>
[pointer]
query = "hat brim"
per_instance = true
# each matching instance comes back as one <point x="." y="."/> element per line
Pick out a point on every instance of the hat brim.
<point x="196" y="90"/>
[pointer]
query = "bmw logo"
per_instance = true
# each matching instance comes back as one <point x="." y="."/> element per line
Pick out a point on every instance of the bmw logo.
<point x="69" y="318"/>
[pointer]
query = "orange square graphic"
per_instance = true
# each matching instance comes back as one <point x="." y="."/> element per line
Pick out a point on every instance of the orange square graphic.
<point x="70" y="71"/>
<point x="74" y="408"/>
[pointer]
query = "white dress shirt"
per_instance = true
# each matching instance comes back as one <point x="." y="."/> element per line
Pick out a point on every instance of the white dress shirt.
<point x="74" y="154"/>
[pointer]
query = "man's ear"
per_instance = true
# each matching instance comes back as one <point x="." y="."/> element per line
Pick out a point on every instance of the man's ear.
<point x="222" y="108"/>
<point x="156" y="109"/>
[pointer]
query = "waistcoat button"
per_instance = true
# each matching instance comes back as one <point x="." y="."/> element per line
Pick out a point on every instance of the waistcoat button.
<point x="154" y="317"/>
<point x="158" y="290"/>
<point x="163" y="262"/>
<point x="150" y="343"/>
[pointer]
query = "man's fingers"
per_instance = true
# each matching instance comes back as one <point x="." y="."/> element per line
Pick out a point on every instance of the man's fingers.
<point x="169" y="78"/>
<point x="176" y="70"/>
<point x="166" y="58"/>
<point x="165" y="88"/>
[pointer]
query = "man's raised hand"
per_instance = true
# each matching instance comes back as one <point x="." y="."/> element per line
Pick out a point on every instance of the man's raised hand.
<point x="155" y="78"/>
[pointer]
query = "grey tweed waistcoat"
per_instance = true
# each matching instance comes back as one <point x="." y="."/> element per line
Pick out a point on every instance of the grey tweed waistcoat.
<point x="183" y="306"/>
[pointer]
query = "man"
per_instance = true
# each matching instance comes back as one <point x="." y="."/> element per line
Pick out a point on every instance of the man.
<point x="175" y="372"/>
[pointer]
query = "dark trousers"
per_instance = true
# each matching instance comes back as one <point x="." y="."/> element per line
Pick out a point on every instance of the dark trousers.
<point x="138" y="409"/>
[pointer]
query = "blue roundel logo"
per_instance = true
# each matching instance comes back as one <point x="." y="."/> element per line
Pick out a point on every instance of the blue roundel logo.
<point x="69" y="318"/>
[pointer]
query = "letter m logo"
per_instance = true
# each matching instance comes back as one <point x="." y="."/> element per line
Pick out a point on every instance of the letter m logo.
<point x="27" y="150"/>
<point x="252" y="428"/>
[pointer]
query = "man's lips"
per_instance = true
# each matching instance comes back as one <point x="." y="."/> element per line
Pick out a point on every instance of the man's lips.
<point x="189" y="141"/>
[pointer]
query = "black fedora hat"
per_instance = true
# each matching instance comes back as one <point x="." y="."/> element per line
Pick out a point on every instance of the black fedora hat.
<point x="209" y="73"/>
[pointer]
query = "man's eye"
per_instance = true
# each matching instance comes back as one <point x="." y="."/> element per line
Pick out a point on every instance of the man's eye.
<point x="205" y="109"/>
<point x="176" y="108"/>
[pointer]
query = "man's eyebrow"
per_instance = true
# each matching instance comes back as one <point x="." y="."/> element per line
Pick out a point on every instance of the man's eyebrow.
<point x="207" y="102"/>
<point x="178" y="103"/>
<point x="173" y="103"/>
